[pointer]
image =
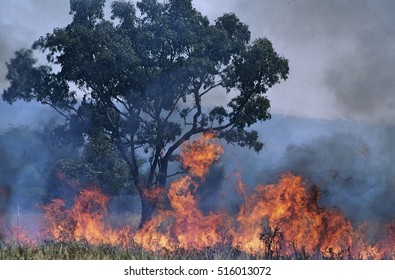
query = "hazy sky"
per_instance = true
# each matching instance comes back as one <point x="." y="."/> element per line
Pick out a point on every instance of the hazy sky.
<point x="341" y="53"/>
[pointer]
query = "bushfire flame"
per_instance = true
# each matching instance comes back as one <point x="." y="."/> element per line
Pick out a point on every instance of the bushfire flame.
<point x="84" y="221"/>
<point x="277" y="220"/>
<point x="185" y="226"/>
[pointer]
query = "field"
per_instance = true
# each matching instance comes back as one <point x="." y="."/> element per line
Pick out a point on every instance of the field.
<point x="85" y="251"/>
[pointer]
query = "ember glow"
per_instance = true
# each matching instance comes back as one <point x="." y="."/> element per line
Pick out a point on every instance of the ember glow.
<point x="284" y="219"/>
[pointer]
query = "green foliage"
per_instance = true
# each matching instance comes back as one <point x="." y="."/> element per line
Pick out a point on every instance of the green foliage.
<point x="86" y="11"/>
<point x="99" y="163"/>
<point x="30" y="82"/>
<point x="77" y="170"/>
<point x="112" y="172"/>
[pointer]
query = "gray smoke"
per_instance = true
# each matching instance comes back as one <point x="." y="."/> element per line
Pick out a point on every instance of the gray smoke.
<point x="341" y="53"/>
<point x="352" y="174"/>
<point x="22" y="22"/>
<point x="23" y="165"/>
<point x="351" y="163"/>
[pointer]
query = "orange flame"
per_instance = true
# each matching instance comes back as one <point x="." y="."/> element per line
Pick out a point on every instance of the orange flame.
<point x="385" y="248"/>
<point x="282" y="219"/>
<point x="85" y="221"/>
<point x="288" y="205"/>
<point x="199" y="155"/>
<point x="185" y="226"/>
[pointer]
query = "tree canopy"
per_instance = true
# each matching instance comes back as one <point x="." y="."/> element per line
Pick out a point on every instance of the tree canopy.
<point x="144" y="80"/>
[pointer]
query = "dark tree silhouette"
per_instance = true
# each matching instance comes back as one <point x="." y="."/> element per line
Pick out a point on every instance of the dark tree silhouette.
<point x="145" y="80"/>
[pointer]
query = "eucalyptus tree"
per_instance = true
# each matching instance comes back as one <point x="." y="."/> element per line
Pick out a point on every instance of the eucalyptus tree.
<point x="145" y="79"/>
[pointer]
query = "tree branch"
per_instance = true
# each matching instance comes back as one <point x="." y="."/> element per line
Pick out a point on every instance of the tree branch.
<point x="210" y="88"/>
<point x="194" y="129"/>
<point x="172" y="108"/>
<point x="123" y="103"/>
<point x="176" y="173"/>
<point x="57" y="110"/>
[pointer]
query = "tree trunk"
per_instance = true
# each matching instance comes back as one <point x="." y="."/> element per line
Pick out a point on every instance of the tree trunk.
<point x="163" y="172"/>
<point x="148" y="206"/>
<point x="149" y="202"/>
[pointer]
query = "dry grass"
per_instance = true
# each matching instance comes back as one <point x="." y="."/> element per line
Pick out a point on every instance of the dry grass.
<point x="84" y="251"/>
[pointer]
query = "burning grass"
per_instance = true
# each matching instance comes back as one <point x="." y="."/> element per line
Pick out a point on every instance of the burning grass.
<point x="277" y="221"/>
